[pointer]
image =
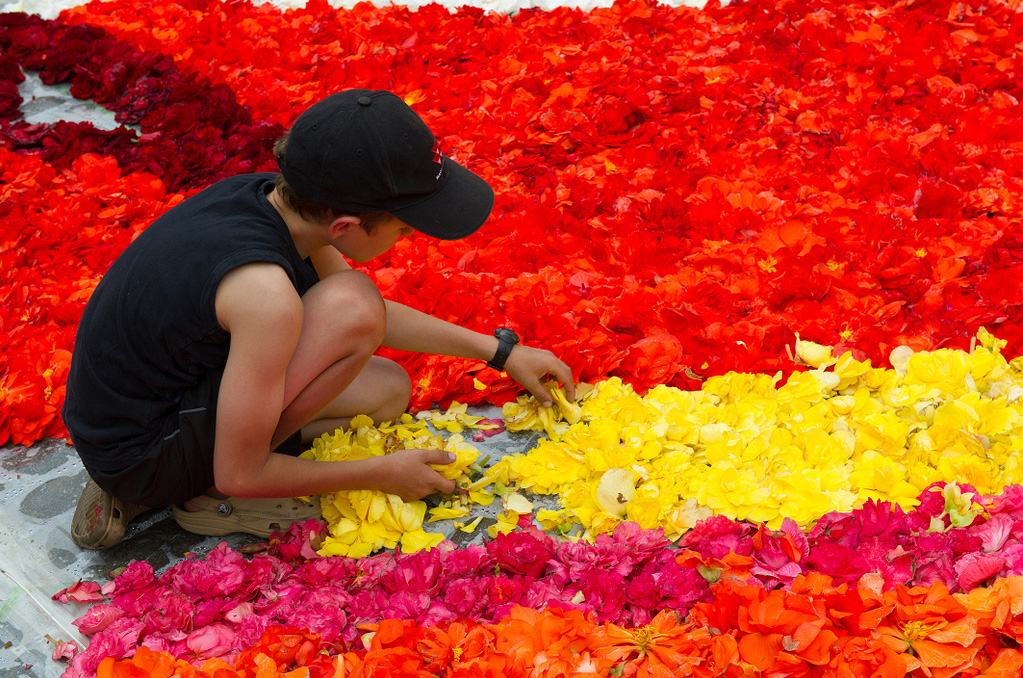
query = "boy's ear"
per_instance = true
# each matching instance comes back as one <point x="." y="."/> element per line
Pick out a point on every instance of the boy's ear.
<point x="340" y="225"/>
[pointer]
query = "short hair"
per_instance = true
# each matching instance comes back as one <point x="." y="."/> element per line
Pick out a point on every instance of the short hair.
<point x="317" y="211"/>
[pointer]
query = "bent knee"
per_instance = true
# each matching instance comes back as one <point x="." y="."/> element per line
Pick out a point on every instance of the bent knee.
<point x="352" y="300"/>
<point x="401" y="384"/>
<point x="394" y="388"/>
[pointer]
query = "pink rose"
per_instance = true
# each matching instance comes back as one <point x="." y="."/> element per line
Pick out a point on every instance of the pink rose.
<point x="371" y="569"/>
<point x="414" y="572"/>
<point x="964" y="540"/>
<point x="156" y="643"/>
<point x="64" y="651"/>
<point x="772" y="552"/>
<point x="506" y="590"/>
<point x="1013" y="554"/>
<point x="718" y="536"/>
<point x="239" y="612"/>
<point x="106" y="643"/>
<point x="253" y="626"/>
<point x="219" y="574"/>
<point x="683" y="587"/>
<point x="575" y="560"/>
<point x="137" y="575"/>
<point x="323" y="610"/>
<point x="841" y="562"/>
<point x="466" y="597"/>
<point x="210" y="641"/>
<point x="406" y="605"/>
<point x="835" y="528"/>
<point x="525" y="552"/>
<point x="646" y="590"/>
<point x="895" y="565"/>
<point x="1009" y="502"/>
<point x="172" y="611"/>
<point x="97" y="619"/>
<point x="604" y="595"/>
<point x="540" y="593"/>
<point x="470" y="560"/>
<point x="932" y="561"/>
<point x="641" y="544"/>
<point x="315" y="572"/>
<point x="297" y="542"/>
<point x="932" y="503"/>
<point x="437" y="613"/>
<point x="880" y="520"/>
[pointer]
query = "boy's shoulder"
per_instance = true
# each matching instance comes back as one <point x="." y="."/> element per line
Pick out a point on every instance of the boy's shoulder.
<point x="257" y="293"/>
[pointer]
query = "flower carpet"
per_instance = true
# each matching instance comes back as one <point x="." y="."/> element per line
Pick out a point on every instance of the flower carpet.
<point x="781" y="240"/>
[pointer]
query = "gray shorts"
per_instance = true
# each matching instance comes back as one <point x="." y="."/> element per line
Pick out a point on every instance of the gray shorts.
<point x="180" y="465"/>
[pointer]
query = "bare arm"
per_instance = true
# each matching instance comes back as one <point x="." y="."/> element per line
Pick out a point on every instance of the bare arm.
<point x="412" y="330"/>
<point x="258" y="306"/>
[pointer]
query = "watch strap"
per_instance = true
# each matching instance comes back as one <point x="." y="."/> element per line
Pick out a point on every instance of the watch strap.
<point x="506" y="340"/>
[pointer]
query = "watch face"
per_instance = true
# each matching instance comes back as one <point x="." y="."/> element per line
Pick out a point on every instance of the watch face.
<point x="507" y="335"/>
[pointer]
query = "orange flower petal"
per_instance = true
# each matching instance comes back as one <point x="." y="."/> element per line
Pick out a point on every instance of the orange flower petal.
<point x="760" y="649"/>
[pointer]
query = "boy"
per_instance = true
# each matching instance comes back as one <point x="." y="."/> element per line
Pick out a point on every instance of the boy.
<point x="233" y="329"/>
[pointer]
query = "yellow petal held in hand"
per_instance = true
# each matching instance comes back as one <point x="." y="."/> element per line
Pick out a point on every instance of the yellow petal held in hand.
<point x="527" y="413"/>
<point x="363" y="521"/>
<point x="369" y="505"/>
<point x="465" y="456"/>
<point x="825" y="440"/>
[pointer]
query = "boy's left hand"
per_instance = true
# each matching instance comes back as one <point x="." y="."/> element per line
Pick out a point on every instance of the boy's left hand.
<point x="527" y="365"/>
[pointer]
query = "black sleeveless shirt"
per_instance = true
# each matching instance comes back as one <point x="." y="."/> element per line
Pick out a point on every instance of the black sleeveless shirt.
<point x="150" y="330"/>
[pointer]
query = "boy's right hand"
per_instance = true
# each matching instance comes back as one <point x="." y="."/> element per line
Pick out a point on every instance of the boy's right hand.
<point x="407" y="473"/>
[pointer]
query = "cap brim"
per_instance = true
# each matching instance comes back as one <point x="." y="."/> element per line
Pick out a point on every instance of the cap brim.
<point x="455" y="211"/>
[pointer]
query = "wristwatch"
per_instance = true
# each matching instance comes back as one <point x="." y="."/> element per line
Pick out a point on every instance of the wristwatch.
<point x="507" y="339"/>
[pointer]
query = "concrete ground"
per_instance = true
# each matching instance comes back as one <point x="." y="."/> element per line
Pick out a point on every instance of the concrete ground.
<point x="39" y="489"/>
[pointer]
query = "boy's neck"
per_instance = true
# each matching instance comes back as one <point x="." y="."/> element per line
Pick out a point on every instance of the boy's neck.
<point x="307" y="235"/>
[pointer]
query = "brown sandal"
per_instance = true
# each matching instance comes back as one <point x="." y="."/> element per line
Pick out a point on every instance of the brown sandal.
<point x="259" y="517"/>
<point x="101" y="519"/>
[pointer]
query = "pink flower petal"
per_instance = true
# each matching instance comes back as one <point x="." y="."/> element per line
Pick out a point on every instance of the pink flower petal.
<point x="975" y="568"/>
<point x="79" y="592"/>
<point x="64" y="651"/>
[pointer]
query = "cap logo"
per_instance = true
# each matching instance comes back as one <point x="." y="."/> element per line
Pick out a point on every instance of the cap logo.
<point x="438" y="157"/>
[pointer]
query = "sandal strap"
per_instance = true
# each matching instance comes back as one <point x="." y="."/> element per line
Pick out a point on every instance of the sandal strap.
<point x="259" y="517"/>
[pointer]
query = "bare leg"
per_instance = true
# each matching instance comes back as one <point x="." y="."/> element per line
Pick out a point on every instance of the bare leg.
<point x="343" y="324"/>
<point x="381" y="391"/>
<point x="333" y="375"/>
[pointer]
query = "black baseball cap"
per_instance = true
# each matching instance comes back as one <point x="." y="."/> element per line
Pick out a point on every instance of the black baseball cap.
<point x="365" y="151"/>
